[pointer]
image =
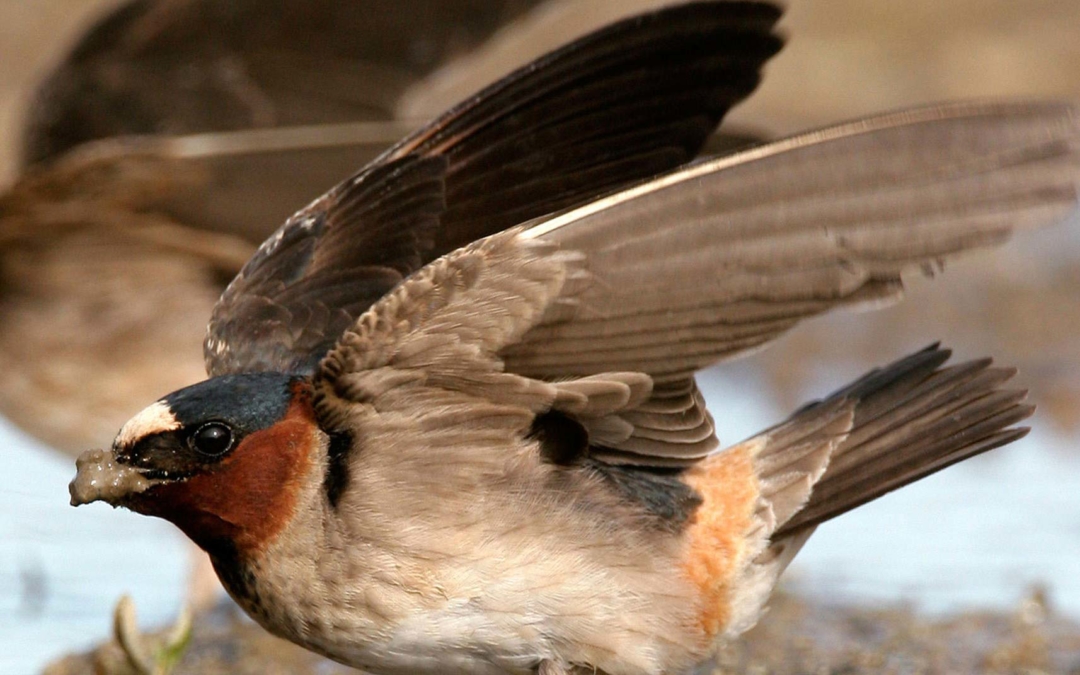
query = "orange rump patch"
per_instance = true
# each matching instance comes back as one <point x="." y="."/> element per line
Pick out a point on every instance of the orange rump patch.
<point x="716" y="539"/>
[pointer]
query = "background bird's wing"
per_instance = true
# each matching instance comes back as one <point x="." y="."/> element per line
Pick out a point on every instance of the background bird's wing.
<point x="217" y="183"/>
<point x="627" y="102"/>
<point x="189" y="66"/>
<point x="707" y="262"/>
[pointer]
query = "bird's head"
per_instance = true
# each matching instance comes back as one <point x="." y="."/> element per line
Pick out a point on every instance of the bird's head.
<point x="223" y="459"/>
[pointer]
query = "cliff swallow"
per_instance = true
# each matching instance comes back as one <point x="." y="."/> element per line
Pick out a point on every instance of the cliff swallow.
<point x="452" y="424"/>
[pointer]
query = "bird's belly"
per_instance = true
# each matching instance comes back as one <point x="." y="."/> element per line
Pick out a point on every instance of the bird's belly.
<point x="382" y="629"/>
<point x="492" y="591"/>
<point x="507" y="627"/>
<point x="457" y="639"/>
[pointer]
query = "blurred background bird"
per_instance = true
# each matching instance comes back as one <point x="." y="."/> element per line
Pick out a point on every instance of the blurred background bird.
<point x="156" y="152"/>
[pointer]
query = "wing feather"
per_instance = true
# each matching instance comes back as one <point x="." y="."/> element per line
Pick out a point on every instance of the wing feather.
<point x="632" y="100"/>
<point x="610" y="329"/>
<point x="724" y="256"/>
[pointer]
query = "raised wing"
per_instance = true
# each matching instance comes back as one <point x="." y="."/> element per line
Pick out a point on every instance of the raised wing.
<point x="724" y="256"/>
<point x="603" y="314"/>
<point x="630" y="101"/>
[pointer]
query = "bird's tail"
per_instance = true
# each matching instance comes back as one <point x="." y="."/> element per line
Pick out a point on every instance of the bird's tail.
<point x="891" y="427"/>
<point x="909" y="419"/>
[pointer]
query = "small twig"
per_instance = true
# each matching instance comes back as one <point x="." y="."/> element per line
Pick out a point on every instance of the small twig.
<point x="140" y="657"/>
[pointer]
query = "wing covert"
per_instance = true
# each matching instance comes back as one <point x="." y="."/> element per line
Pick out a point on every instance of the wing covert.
<point x="429" y="351"/>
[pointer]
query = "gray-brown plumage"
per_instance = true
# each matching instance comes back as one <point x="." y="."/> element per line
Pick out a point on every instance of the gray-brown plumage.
<point x="422" y="453"/>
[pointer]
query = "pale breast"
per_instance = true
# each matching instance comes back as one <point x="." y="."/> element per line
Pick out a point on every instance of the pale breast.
<point x="485" y="570"/>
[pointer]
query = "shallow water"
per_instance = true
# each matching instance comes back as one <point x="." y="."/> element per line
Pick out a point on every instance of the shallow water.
<point x="975" y="536"/>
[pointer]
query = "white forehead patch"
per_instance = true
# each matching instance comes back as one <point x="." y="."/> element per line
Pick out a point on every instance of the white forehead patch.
<point x="152" y="420"/>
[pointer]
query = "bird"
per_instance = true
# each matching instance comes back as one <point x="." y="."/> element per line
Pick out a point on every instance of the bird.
<point x="451" y="422"/>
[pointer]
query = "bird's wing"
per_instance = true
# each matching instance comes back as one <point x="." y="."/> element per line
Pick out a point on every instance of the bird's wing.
<point x="193" y="66"/>
<point x="429" y="350"/>
<point x="721" y="257"/>
<point x="630" y="101"/>
<point x="637" y="291"/>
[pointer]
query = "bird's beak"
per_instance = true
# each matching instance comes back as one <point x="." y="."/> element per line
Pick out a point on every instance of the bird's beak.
<point x="100" y="477"/>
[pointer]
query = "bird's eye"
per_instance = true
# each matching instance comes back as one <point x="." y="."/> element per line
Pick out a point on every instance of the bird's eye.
<point x="213" y="439"/>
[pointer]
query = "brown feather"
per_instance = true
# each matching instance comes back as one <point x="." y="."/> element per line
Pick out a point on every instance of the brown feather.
<point x="632" y="100"/>
<point x="724" y="256"/>
<point x="909" y="420"/>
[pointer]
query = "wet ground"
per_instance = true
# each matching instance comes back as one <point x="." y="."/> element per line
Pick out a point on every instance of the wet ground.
<point x="796" y="638"/>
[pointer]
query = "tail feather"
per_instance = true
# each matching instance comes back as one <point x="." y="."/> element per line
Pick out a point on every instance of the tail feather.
<point x="891" y="427"/>
<point x="909" y="420"/>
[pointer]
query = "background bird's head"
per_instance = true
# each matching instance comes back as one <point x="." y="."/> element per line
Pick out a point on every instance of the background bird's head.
<point x="222" y="460"/>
